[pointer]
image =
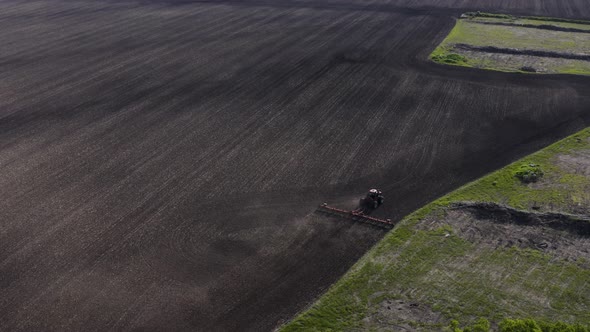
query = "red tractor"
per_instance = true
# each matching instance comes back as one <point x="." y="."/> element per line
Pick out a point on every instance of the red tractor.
<point x="368" y="204"/>
<point x="371" y="202"/>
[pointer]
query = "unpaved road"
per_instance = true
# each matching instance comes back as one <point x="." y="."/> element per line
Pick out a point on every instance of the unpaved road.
<point x="160" y="161"/>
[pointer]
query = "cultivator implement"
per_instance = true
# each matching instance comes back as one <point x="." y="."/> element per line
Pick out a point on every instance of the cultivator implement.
<point x="356" y="215"/>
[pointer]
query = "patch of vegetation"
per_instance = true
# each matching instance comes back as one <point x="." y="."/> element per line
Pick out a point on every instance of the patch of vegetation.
<point x="528" y="173"/>
<point x="575" y="67"/>
<point x="479" y="14"/>
<point x="509" y="33"/>
<point x="481" y="325"/>
<point x="556" y="19"/>
<point x="443" y="271"/>
<point x="344" y="306"/>
<point x="452" y="58"/>
<point x="561" y="24"/>
<point x="531" y="325"/>
<point x="514" y="37"/>
<point x="474" y="285"/>
<point x="518" y="325"/>
<point x="445" y="55"/>
<point x="556" y="188"/>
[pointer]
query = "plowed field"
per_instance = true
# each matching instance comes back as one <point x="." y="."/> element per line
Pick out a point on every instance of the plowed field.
<point x="160" y="161"/>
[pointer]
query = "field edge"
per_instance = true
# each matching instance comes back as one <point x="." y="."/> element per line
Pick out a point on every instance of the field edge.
<point x="352" y="299"/>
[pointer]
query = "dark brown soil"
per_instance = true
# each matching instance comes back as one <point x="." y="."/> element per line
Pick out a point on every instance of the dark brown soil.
<point x="161" y="161"/>
<point x="578" y="225"/>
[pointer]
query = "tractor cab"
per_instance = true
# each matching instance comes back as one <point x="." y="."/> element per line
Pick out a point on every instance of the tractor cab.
<point x="372" y="201"/>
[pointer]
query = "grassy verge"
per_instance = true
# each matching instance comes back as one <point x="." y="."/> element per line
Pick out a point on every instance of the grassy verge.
<point x="484" y="15"/>
<point x="508" y="32"/>
<point x="453" y="278"/>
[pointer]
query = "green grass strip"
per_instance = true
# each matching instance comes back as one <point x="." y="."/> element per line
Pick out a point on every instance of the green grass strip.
<point x="453" y="277"/>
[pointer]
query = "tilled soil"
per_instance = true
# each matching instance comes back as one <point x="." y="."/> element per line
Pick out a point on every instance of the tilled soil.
<point x="161" y="161"/>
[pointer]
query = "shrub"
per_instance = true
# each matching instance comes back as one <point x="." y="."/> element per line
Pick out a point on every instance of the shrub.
<point x="519" y="325"/>
<point x="454" y="326"/>
<point x="482" y="325"/>
<point x="562" y="327"/>
<point x="449" y="58"/>
<point x="530" y="325"/>
<point x="528" y="173"/>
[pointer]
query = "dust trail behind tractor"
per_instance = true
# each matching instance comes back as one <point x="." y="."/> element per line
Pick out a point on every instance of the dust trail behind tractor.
<point x="355" y="215"/>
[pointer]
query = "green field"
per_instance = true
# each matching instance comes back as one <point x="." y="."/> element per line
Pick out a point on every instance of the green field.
<point x="517" y="33"/>
<point x="428" y="272"/>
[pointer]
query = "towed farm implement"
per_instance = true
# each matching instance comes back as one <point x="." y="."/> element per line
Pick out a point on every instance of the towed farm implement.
<point x="372" y="201"/>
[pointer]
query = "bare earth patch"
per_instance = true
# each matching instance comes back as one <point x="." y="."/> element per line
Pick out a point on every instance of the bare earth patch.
<point x="511" y="62"/>
<point x="578" y="162"/>
<point x="400" y="315"/>
<point x="563" y="236"/>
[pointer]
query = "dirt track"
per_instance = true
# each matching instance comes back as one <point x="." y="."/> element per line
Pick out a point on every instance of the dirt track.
<point x="160" y="161"/>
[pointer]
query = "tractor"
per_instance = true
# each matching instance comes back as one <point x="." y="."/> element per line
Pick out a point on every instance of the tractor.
<point x="370" y="202"/>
